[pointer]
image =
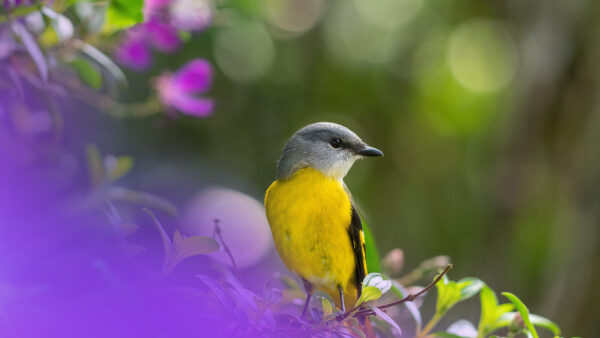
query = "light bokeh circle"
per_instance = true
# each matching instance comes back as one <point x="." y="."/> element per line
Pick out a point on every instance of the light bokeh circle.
<point x="242" y="220"/>
<point x="244" y="52"/>
<point x="482" y="55"/>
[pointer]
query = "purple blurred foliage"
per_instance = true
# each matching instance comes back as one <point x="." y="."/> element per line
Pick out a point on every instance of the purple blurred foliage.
<point x="66" y="271"/>
<point x="179" y="90"/>
<point x="69" y="274"/>
<point x="7" y="44"/>
<point x="32" y="47"/>
<point x="8" y="4"/>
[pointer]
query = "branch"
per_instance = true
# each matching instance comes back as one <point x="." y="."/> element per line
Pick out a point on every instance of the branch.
<point x="217" y="234"/>
<point x="409" y="298"/>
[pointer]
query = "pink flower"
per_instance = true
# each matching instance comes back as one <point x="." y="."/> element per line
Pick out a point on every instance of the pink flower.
<point x="153" y="7"/>
<point x="161" y="36"/>
<point x="179" y="90"/>
<point x="135" y="50"/>
<point x="134" y="53"/>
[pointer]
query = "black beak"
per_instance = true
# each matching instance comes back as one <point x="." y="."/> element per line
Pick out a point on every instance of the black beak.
<point x="369" y="151"/>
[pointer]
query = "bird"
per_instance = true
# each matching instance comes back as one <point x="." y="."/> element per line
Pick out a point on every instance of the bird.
<point x="315" y="225"/>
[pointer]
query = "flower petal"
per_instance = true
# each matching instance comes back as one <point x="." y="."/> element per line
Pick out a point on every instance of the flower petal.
<point x="162" y="36"/>
<point x="134" y="54"/>
<point x="194" y="77"/>
<point x="194" y="106"/>
<point x="152" y="7"/>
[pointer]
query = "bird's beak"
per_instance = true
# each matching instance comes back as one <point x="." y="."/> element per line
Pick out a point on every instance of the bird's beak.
<point x="369" y="151"/>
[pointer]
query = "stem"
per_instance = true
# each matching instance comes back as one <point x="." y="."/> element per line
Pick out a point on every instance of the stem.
<point x="409" y="298"/>
<point x="434" y="320"/>
<point x="118" y="109"/>
<point x="217" y="233"/>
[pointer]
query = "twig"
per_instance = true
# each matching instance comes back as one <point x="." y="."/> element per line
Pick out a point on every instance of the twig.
<point x="217" y="234"/>
<point x="409" y="298"/>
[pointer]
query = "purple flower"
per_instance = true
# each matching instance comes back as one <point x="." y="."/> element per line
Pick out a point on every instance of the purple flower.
<point x="134" y="54"/>
<point x="161" y="36"/>
<point x="154" y="7"/>
<point x="135" y="50"/>
<point x="179" y="90"/>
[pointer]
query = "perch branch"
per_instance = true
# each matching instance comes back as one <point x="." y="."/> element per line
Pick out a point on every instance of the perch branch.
<point x="368" y="312"/>
<point x="409" y="298"/>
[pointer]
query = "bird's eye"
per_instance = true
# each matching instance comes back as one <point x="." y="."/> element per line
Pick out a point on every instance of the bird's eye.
<point x="335" y="142"/>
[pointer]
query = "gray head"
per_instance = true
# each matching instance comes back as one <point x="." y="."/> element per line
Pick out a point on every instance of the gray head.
<point x="327" y="147"/>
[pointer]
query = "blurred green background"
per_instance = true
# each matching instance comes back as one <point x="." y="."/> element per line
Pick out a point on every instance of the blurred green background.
<point x="487" y="111"/>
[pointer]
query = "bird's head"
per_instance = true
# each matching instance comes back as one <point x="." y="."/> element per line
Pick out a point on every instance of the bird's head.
<point x="327" y="147"/>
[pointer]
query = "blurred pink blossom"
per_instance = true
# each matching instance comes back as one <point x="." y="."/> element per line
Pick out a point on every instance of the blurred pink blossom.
<point x="134" y="53"/>
<point x="153" y="7"/>
<point x="161" y="36"/>
<point x="135" y="49"/>
<point x="179" y="90"/>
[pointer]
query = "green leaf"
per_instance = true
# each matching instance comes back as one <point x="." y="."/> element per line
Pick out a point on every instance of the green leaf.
<point x="369" y="293"/>
<point x="120" y="167"/>
<point x="448" y="295"/>
<point x="444" y="334"/>
<point x="469" y="287"/>
<point x="289" y="282"/>
<point x="87" y="73"/>
<point x="520" y="306"/>
<point x="491" y="312"/>
<point x="386" y="318"/>
<point x="122" y="14"/>
<point x="504" y="320"/>
<point x="48" y="37"/>
<point x="127" y="228"/>
<point x="220" y="294"/>
<point x="103" y="60"/>
<point x="372" y="254"/>
<point x="450" y="292"/>
<point x="545" y="323"/>
<point x="95" y="165"/>
<point x="327" y="307"/>
<point x="489" y="304"/>
<point x="117" y="193"/>
<point x="184" y="247"/>
<point x="163" y="234"/>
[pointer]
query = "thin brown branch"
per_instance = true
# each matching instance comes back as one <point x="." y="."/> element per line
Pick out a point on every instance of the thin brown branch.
<point x="409" y="298"/>
<point x="217" y="234"/>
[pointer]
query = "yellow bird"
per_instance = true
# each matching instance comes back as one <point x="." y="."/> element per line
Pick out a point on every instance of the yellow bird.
<point x="313" y="219"/>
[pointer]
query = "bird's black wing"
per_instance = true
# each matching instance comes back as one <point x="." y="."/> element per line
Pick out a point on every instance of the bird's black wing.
<point x="357" y="238"/>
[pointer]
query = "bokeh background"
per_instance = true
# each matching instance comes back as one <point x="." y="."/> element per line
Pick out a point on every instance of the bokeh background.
<point x="487" y="112"/>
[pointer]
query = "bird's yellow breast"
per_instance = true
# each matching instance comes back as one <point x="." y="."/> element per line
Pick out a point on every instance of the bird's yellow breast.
<point x="309" y="214"/>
